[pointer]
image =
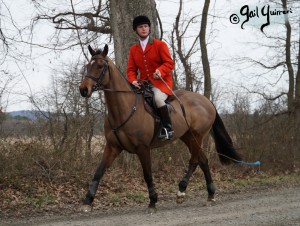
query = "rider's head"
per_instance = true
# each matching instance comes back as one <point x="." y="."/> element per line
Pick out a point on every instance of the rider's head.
<point x="141" y="25"/>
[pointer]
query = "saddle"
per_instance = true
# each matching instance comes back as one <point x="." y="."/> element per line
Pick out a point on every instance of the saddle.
<point x="148" y="95"/>
<point x="150" y="105"/>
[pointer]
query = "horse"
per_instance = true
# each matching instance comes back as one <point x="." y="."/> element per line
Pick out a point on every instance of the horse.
<point x="128" y="126"/>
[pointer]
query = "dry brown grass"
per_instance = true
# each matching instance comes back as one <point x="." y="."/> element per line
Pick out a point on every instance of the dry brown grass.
<point x="35" y="175"/>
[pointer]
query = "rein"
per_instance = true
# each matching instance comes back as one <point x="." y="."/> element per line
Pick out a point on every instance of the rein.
<point x="98" y="87"/>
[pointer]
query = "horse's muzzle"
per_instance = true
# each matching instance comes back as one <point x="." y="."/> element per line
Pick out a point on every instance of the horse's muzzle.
<point x="84" y="91"/>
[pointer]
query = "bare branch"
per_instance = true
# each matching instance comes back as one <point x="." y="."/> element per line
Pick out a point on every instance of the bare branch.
<point x="272" y="67"/>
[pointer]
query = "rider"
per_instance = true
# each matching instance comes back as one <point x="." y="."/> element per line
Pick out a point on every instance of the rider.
<point x="151" y="60"/>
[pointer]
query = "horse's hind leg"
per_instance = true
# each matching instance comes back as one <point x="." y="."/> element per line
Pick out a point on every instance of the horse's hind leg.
<point x="211" y="189"/>
<point x="198" y="157"/>
<point x="185" y="180"/>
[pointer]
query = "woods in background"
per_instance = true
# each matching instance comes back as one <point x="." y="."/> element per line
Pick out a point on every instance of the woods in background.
<point x="65" y="140"/>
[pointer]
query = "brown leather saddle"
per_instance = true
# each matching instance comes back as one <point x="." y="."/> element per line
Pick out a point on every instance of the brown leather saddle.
<point x="148" y="95"/>
<point x="150" y="105"/>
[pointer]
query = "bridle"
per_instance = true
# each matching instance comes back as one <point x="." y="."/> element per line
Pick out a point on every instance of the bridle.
<point x="97" y="86"/>
<point x="99" y="78"/>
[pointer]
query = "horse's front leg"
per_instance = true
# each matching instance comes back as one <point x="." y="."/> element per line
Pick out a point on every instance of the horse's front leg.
<point x="109" y="156"/>
<point x="145" y="159"/>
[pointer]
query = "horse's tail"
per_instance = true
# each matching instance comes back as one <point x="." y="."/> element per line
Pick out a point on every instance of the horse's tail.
<point x="223" y="142"/>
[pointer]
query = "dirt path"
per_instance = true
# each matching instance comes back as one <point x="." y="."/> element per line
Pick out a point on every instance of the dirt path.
<point x="272" y="206"/>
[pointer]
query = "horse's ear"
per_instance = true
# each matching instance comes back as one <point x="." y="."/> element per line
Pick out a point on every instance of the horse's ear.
<point x="92" y="52"/>
<point x="105" y="50"/>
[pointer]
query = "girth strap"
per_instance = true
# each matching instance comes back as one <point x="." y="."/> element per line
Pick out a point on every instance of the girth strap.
<point x="115" y="129"/>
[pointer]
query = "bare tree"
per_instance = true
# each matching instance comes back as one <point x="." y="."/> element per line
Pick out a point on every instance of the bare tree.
<point x="3" y="36"/>
<point x="72" y="121"/>
<point x="11" y="35"/>
<point x="297" y="86"/>
<point x="204" y="54"/>
<point x="178" y="37"/>
<point x="285" y="55"/>
<point x="294" y="78"/>
<point x="288" y="61"/>
<point x="105" y="20"/>
<point x="5" y="80"/>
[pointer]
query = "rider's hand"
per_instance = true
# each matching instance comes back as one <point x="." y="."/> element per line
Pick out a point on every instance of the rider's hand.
<point x="157" y="74"/>
<point x="136" y="84"/>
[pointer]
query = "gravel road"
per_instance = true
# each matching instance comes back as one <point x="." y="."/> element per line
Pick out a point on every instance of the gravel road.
<point x="271" y="206"/>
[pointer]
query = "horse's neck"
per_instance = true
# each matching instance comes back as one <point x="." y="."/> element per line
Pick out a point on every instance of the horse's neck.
<point x="119" y="104"/>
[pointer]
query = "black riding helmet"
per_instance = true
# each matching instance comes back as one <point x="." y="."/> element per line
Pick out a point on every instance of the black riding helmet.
<point x="140" y="20"/>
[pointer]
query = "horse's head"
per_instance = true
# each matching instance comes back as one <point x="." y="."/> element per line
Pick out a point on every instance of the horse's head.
<point x="96" y="72"/>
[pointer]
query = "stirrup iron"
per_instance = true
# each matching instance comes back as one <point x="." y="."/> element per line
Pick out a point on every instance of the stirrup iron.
<point x="166" y="135"/>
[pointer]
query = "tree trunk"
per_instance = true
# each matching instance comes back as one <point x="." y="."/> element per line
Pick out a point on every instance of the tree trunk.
<point x="288" y="61"/>
<point x="122" y="13"/>
<point x="294" y="89"/>
<point x="204" y="56"/>
<point x="180" y="51"/>
<point x="297" y="86"/>
<point x="297" y="105"/>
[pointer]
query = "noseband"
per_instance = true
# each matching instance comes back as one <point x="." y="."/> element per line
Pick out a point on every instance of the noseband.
<point x="99" y="78"/>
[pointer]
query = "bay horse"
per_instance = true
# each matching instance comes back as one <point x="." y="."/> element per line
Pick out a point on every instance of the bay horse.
<point x="128" y="126"/>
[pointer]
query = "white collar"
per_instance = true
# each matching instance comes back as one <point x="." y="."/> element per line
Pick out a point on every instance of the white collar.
<point x="144" y="43"/>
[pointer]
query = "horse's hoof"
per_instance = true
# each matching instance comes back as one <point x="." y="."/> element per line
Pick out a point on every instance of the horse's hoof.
<point x="180" y="197"/>
<point x="86" y="208"/>
<point x="211" y="201"/>
<point x="151" y="210"/>
<point x="211" y="198"/>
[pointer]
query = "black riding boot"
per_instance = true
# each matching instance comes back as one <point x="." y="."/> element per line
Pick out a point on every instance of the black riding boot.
<point x="167" y="132"/>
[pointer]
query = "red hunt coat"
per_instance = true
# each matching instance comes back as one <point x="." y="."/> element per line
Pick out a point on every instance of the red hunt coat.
<point x="155" y="56"/>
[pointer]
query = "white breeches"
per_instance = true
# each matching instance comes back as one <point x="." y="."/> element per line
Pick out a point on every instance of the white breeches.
<point x="159" y="97"/>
